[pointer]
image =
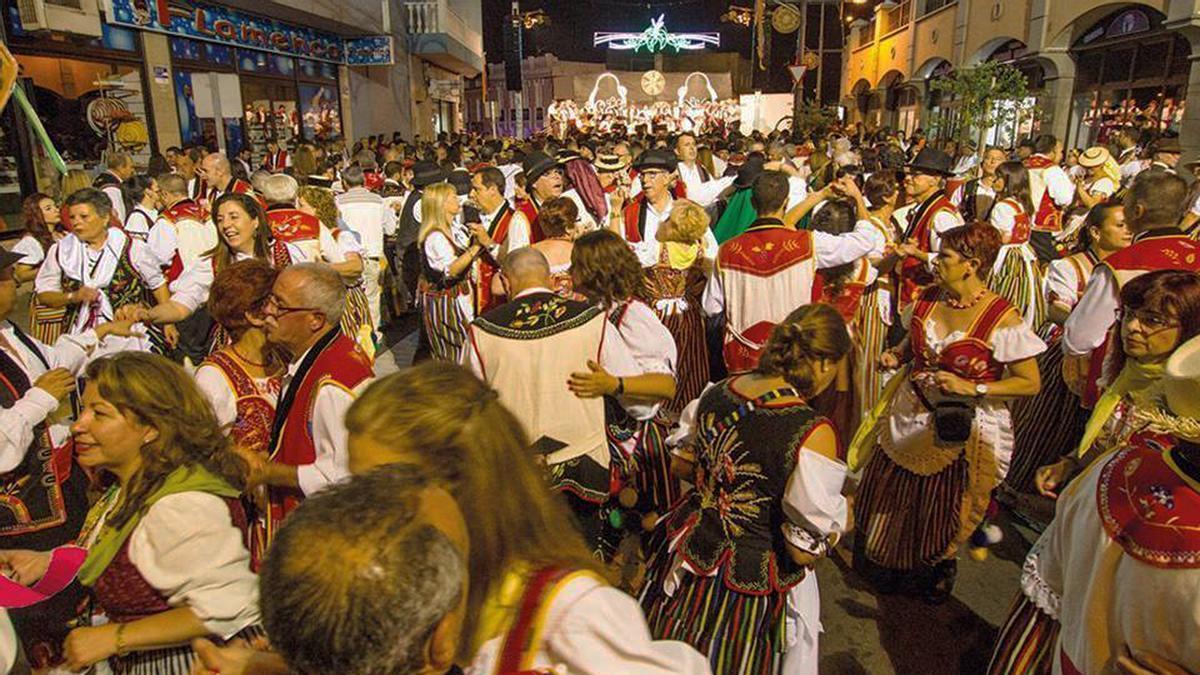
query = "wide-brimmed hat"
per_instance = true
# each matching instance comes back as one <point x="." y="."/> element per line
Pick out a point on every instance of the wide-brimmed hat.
<point x="565" y="156"/>
<point x="607" y="163"/>
<point x="933" y="162"/>
<point x="426" y="174"/>
<point x="535" y="164"/>
<point x="1097" y="155"/>
<point x="657" y="158"/>
<point x="1181" y="387"/>
<point x="749" y="171"/>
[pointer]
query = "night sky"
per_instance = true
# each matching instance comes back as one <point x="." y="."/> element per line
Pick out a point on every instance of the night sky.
<point x="572" y="22"/>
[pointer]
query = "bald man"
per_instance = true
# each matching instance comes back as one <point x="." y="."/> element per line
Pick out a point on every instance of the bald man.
<point x="529" y="364"/>
<point x="218" y="173"/>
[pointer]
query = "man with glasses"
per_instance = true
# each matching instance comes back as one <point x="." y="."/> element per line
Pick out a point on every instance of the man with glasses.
<point x="934" y="213"/>
<point x="640" y="219"/>
<point x="1154" y="205"/>
<point x="327" y="370"/>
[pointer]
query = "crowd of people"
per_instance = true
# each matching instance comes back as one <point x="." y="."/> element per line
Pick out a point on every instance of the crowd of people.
<point x="658" y="377"/>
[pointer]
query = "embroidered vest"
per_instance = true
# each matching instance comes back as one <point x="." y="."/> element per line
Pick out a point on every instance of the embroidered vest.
<point x="31" y="494"/>
<point x="969" y="357"/>
<point x="530" y="210"/>
<point x="527" y="349"/>
<point x="1021" y="227"/>
<point x="915" y="274"/>
<point x="634" y="216"/>
<point x="745" y="455"/>
<point x="293" y="226"/>
<point x="765" y="273"/>
<point x="125" y="288"/>
<point x="196" y="234"/>
<point x="255" y="412"/>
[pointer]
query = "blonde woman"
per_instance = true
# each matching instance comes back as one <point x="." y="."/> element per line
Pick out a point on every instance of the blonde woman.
<point x="356" y="320"/>
<point x="445" y="289"/>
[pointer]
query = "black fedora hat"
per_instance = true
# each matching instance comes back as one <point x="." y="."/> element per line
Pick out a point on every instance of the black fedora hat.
<point x="749" y="171"/>
<point x="9" y="258"/>
<point x="657" y="158"/>
<point x="427" y="173"/>
<point x="537" y="163"/>
<point x="933" y="162"/>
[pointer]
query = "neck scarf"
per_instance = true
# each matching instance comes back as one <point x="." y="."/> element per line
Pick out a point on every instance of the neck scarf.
<point x="109" y="540"/>
<point x="738" y="215"/>
<point x="1136" y="381"/>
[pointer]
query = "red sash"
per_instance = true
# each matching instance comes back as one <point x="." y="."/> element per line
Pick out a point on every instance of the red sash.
<point x="488" y="266"/>
<point x="530" y="210"/>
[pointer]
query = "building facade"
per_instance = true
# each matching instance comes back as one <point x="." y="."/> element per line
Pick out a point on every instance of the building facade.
<point x="143" y="75"/>
<point x="1090" y="65"/>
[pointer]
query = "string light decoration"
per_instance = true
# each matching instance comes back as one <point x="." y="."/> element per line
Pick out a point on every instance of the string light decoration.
<point x="656" y="38"/>
<point x="742" y="16"/>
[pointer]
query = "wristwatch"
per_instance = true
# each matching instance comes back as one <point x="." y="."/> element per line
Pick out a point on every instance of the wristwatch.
<point x="981" y="389"/>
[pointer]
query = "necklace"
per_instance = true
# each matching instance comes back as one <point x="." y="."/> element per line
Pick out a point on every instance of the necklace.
<point x="246" y="360"/>
<point x="960" y="304"/>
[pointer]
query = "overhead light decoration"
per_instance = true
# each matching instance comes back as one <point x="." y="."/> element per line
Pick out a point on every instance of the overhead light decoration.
<point x="656" y="38"/>
<point x="742" y="16"/>
<point x="534" y="19"/>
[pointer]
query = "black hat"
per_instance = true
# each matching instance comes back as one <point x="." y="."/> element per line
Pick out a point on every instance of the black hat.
<point x="426" y="174"/>
<point x="657" y="158"/>
<point x="461" y="180"/>
<point x="749" y="171"/>
<point x="8" y="259"/>
<point x="931" y="161"/>
<point x="537" y="163"/>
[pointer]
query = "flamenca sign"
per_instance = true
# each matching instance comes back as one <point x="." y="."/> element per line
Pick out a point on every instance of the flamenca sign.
<point x="214" y="23"/>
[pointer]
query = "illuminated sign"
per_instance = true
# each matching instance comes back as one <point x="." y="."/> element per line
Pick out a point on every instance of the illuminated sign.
<point x="656" y="38"/>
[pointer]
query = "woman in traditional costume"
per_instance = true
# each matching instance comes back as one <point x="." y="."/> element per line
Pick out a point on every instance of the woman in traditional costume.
<point x="243" y="380"/>
<point x="445" y="290"/>
<point x="347" y="261"/>
<point x="42" y="219"/>
<point x="607" y="271"/>
<point x="876" y="311"/>
<point x="1016" y="276"/>
<point x="166" y="562"/>
<point x="558" y="220"/>
<point x="1115" y="575"/>
<point x="944" y="431"/>
<point x="733" y="573"/>
<point x="1050" y="422"/>
<point x="675" y="289"/>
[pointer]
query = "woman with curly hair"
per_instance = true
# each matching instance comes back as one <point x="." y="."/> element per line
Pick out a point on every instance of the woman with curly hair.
<point x="166" y="561"/>
<point x="356" y="320"/>
<point x="42" y="219"/>
<point x="606" y="270"/>
<point x="733" y="573"/>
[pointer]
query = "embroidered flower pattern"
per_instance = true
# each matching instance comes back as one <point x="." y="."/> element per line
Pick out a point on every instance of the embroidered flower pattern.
<point x="726" y="482"/>
<point x="540" y="313"/>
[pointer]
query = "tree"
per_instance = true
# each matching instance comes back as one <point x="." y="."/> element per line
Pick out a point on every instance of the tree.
<point x="987" y="95"/>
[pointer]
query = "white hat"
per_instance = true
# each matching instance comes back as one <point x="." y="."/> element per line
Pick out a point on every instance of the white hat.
<point x="1181" y="387"/>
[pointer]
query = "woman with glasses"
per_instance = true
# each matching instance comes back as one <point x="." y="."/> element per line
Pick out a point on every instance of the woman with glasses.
<point x="243" y="379"/>
<point x="943" y="427"/>
<point x="1148" y="520"/>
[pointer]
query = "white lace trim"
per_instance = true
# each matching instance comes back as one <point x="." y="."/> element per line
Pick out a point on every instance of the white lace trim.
<point x="1036" y="588"/>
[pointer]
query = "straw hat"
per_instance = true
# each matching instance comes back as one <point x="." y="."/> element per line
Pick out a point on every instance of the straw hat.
<point x="1095" y="156"/>
<point x="1181" y="388"/>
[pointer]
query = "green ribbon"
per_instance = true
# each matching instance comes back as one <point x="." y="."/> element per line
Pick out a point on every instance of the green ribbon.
<point x="38" y="129"/>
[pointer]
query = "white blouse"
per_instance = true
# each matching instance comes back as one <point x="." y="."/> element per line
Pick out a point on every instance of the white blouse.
<point x="1062" y="283"/>
<point x="1103" y="186"/>
<point x="216" y="388"/>
<point x="441" y="254"/>
<point x="595" y="629"/>
<point x="188" y="549"/>
<point x="652" y="346"/>
<point x="30" y="248"/>
<point x="1004" y="218"/>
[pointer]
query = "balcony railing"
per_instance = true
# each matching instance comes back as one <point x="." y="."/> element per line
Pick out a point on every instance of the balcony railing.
<point x="435" y="16"/>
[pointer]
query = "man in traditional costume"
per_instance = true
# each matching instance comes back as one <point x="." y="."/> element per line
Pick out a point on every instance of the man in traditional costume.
<point x="767" y="271"/>
<point x="1051" y="191"/>
<point x="365" y="213"/>
<point x="218" y="172"/>
<point x="527" y="350"/>
<point x="543" y="181"/>
<point x="277" y="159"/>
<point x="694" y="182"/>
<point x="503" y="227"/>
<point x="1153" y="206"/>
<point x="119" y="167"/>
<point x="326" y="373"/>
<point x="932" y="214"/>
<point x="642" y="216"/>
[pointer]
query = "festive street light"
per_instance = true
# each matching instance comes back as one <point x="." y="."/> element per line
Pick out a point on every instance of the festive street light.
<point x="656" y="38"/>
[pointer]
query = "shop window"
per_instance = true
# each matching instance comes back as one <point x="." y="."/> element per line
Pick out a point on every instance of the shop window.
<point x="1117" y="65"/>
<point x="252" y="61"/>
<point x="319" y="70"/>
<point x="320" y="113"/>
<point x="866" y="34"/>
<point x="208" y="54"/>
<point x="1088" y="65"/>
<point x="540" y="114"/>
<point x="1151" y="60"/>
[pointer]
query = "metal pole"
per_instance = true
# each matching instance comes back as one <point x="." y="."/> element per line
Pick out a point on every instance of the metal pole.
<point x="798" y="87"/>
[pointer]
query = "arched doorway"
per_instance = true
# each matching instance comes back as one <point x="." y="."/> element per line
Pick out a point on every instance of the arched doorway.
<point x="1129" y="70"/>
<point x="861" y="95"/>
<point x="941" y="109"/>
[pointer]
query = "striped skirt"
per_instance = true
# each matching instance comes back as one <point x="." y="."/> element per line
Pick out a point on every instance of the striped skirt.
<point x="445" y="322"/>
<point x="691" y="371"/>
<point x="1017" y="277"/>
<point x="910" y="521"/>
<point x="1026" y="643"/>
<point x="46" y="324"/>
<point x="870" y="341"/>
<point x="170" y="660"/>
<point x="1045" y="426"/>
<point x="657" y="488"/>
<point x="741" y="634"/>
<point x="356" y="319"/>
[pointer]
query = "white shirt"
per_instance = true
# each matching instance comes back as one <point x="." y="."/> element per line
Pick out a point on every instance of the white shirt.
<point x="1062" y="283"/>
<point x="162" y="240"/>
<point x="518" y="230"/>
<point x="1059" y="185"/>
<point x="140" y="220"/>
<point x="30" y="248"/>
<point x="585" y="221"/>
<point x="17" y="422"/>
<point x="1088" y="324"/>
<point x="829" y="250"/>
<point x="114" y="194"/>
<point x="328" y="432"/>
<point x="649" y="248"/>
<point x="365" y="213"/>
<point x="1004" y="218"/>
<point x="699" y="190"/>
<point x="440" y="254"/>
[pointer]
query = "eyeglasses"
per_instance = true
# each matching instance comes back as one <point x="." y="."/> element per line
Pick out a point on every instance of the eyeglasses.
<point x="276" y="308"/>
<point x="1149" y="323"/>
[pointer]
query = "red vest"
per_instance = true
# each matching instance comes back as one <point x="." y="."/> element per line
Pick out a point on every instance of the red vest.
<point x="373" y="181"/>
<point x="1021" y="224"/>
<point x="530" y="210"/>
<point x="635" y="219"/>
<point x="335" y="359"/>
<point x="969" y="357"/>
<point x="288" y="224"/>
<point x="276" y="161"/>
<point x="185" y="209"/>
<point x="1048" y="218"/>
<point x="488" y="267"/>
<point x="847" y="300"/>
<point x="915" y="274"/>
